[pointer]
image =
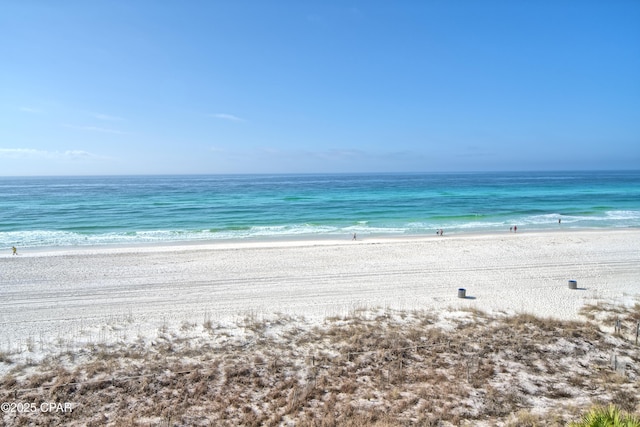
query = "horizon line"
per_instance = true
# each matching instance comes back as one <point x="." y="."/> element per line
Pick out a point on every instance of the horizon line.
<point x="319" y="173"/>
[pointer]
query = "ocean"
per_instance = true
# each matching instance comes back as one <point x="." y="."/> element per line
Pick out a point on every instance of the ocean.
<point x="73" y="211"/>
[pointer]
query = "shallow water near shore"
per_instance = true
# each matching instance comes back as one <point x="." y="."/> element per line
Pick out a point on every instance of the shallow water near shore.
<point x="67" y="211"/>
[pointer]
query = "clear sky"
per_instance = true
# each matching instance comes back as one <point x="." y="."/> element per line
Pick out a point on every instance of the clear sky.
<point x="173" y="87"/>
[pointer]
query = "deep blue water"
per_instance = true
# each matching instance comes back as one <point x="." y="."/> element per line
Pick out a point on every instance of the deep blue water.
<point x="61" y="211"/>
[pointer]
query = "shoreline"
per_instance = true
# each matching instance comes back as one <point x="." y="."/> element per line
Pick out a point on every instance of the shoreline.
<point x="289" y="241"/>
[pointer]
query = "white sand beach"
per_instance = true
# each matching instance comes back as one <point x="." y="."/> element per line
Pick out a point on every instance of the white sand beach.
<point x="89" y="294"/>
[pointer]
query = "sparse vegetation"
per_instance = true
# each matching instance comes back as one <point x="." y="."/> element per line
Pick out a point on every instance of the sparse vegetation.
<point x="373" y="368"/>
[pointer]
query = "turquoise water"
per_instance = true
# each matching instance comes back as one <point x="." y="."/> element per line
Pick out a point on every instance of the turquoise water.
<point x="62" y="211"/>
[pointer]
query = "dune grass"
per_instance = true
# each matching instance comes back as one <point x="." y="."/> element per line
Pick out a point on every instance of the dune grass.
<point x="372" y="368"/>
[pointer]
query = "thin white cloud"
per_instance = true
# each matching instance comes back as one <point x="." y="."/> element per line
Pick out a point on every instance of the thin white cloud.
<point x="78" y="153"/>
<point x="107" y="117"/>
<point x="230" y="117"/>
<point x="31" y="153"/>
<point x="30" y="110"/>
<point x="95" y="129"/>
<point x="268" y="159"/>
<point x="330" y="155"/>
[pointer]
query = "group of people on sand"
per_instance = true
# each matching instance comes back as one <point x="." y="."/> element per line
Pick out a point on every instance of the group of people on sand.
<point x="440" y="232"/>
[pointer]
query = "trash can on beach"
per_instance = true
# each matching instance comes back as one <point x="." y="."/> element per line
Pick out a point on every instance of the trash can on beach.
<point x="573" y="284"/>
<point x="462" y="293"/>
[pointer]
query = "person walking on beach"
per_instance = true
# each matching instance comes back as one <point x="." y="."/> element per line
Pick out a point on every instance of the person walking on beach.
<point x="354" y="236"/>
<point x="515" y="228"/>
<point x="15" y="251"/>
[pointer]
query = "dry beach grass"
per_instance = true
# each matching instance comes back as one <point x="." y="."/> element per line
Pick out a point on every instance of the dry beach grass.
<point x="324" y="333"/>
<point x="376" y="367"/>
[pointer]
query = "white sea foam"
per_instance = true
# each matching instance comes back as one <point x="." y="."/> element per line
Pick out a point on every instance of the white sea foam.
<point x="623" y="215"/>
<point x="45" y="238"/>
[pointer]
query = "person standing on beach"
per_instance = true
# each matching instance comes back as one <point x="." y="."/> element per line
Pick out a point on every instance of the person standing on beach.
<point x="515" y="228"/>
<point x="15" y="251"/>
<point x="354" y="236"/>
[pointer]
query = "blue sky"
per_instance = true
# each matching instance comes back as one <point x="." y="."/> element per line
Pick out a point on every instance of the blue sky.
<point x="173" y="87"/>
